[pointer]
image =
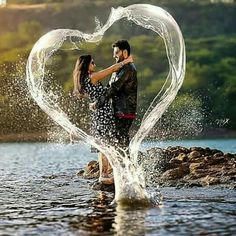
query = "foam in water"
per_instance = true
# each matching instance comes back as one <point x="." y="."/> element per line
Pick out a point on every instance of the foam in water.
<point x="129" y="178"/>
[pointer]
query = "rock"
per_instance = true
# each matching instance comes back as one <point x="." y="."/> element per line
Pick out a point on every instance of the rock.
<point x="215" y="151"/>
<point x="198" y="149"/>
<point x="175" y="151"/>
<point x="182" y="157"/>
<point x="156" y="160"/>
<point x="194" y="155"/>
<point x="210" y="180"/>
<point x="196" y="160"/>
<point x="91" y="170"/>
<point x="229" y="156"/>
<point x="231" y="172"/>
<point x="103" y="187"/>
<point x="233" y="187"/>
<point x="193" y="184"/>
<point x="214" y="160"/>
<point x="173" y="174"/>
<point x="174" y="162"/>
<point x="180" y="166"/>
<point x="185" y="168"/>
<point x="154" y="151"/>
<point x="218" y="154"/>
<point x="195" y="166"/>
<point x="208" y="151"/>
<point x="196" y="174"/>
<point x="80" y="172"/>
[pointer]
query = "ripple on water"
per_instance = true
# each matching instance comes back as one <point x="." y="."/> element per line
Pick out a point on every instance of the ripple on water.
<point x="55" y="201"/>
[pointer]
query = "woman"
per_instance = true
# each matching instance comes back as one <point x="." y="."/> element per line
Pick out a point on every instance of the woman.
<point x="87" y="83"/>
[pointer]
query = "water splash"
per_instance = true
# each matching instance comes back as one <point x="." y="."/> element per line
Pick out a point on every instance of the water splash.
<point x="129" y="179"/>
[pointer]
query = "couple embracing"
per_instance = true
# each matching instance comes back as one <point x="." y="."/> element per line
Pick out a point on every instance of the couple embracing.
<point x="113" y="107"/>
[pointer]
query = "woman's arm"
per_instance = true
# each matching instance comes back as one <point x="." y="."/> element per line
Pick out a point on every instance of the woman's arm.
<point x="100" y="75"/>
<point x="75" y="80"/>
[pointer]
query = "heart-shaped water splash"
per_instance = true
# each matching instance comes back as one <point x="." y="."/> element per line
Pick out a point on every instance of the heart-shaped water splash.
<point x="150" y="17"/>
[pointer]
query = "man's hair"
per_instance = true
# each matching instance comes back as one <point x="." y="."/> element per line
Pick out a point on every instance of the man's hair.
<point x="122" y="45"/>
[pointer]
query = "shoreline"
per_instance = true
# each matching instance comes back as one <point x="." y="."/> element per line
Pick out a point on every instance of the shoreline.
<point x="24" y="137"/>
<point x="181" y="167"/>
<point x="44" y="136"/>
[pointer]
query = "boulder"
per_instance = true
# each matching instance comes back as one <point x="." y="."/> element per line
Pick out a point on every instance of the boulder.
<point x="182" y="157"/>
<point x="171" y="174"/>
<point x="194" y="154"/>
<point x="180" y="166"/>
<point x="210" y="180"/>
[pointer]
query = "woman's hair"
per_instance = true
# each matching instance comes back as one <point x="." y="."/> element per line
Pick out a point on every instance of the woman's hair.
<point x="81" y="71"/>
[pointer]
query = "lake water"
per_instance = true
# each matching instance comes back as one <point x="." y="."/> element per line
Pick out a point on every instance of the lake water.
<point x="40" y="194"/>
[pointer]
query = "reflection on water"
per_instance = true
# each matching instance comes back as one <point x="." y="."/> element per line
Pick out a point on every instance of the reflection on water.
<point x="40" y="194"/>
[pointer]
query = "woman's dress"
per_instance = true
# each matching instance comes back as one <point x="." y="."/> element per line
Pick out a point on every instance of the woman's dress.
<point x="102" y="119"/>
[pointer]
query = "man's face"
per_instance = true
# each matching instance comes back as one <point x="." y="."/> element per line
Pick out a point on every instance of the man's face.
<point x="118" y="54"/>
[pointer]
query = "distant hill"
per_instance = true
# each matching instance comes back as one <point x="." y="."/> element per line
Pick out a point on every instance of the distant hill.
<point x="196" y="19"/>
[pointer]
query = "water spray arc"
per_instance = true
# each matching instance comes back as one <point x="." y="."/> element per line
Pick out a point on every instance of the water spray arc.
<point x="129" y="181"/>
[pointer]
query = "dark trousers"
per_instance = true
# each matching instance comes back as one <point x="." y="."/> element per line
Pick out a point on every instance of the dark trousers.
<point x="122" y="130"/>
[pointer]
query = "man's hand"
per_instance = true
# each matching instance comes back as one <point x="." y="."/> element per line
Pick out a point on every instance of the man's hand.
<point x="93" y="106"/>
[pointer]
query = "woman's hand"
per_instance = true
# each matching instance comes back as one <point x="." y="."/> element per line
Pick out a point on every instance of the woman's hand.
<point x="118" y="66"/>
<point x="128" y="60"/>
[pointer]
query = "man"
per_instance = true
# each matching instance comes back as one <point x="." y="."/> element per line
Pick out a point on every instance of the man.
<point x="122" y="90"/>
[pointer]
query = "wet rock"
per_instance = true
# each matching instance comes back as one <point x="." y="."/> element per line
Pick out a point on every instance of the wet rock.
<point x="198" y="149"/>
<point x="193" y="183"/>
<point x="182" y="167"/>
<point x="91" y="170"/>
<point x="173" y="174"/>
<point x="196" y="166"/>
<point x="175" y="151"/>
<point x="80" y="172"/>
<point x="174" y="162"/>
<point x="231" y="172"/>
<point x="210" y="180"/>
<point x="96" y="185"/>
<point x="185" y="168"/>
<point x="214" y="160"/>
<point x="218" y="154"/>
<point x="92" y="166"/>
<point x="182" y="157"/>
<point x="233" y="187"/>
<point x="229" y="156"/>
<point x="194" y="154"/>
<point x="157" y="160"/>
<point x="198" y="173"/>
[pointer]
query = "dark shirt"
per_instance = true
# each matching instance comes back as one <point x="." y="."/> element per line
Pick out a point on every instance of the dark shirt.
<point x="122" y="89"/>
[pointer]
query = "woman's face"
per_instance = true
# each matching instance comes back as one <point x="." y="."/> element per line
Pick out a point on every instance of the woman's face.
<point x="92" y="66"/>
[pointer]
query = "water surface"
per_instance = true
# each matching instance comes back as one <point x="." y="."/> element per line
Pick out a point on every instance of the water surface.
<point x="40" y="194"/>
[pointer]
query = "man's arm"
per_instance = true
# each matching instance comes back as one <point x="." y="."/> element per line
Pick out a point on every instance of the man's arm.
<point x="122" y="77"/>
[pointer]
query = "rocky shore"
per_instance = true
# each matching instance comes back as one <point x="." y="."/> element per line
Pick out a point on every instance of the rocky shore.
<point x="182" y="167"/>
